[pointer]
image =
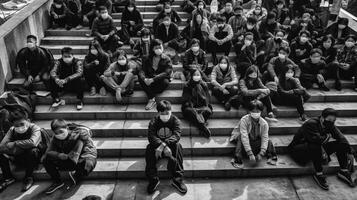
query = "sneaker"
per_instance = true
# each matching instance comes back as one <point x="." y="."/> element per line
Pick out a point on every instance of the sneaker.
<point x="338" y="85"/>
<point x="79" y="105"/>
<point x="5" y="183"/>
<point x="179" y="185"/>
<point x="93" y="91"/>
<point x="346" y="177"/>
<point x="227" y="106"/>
<point x="55" y="186"/>
<point x="68" y="27"/>
<point x="324" y="88"/>
<point x="58" y="102"/>
<point x="118" y="96"/>
<point x="271" y="117"/>
<point x="151" y="104"/>
<point x="153" y="186"/>
<point x="303" y="117"/>
<point x="79" y="27"/>
<point x="205" y="131"/>
<point x="237" y="162"/>
<point x="321" y="181"/>
<point x="103" y="91"/>
<point x="27" y="184"/>
<point x="73" y="178"/>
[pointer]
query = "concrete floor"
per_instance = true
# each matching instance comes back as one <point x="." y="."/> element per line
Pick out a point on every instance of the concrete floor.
<point x="281" y="188"/>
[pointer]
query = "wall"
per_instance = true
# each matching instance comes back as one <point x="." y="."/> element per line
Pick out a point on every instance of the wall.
<point x="32" y="19"/>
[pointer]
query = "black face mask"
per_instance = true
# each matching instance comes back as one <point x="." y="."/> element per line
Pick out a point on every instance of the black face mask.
<point x="328" y="124"/>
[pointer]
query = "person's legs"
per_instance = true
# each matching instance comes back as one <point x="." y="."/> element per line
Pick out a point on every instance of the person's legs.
<point x="128" y="78"/>
<point x="147" y="89"/>
<point x="341" y="151"/>
<point x="53" y="166"/>
<point x="85" y="167"/>
<point x="31" y="157"/>
<point x="90" y="77"/>
<point x="218" y="93"/>
<point x="111" y="82"/>
<point x="267" y="102"/>
<point x="175" y="162"/>
<point x="159" y="86"/>
<point x="226" y="47"/>
<point x="55" y="89"/>
<point x="271" y="152"/>
<point x="76" y="86"/>
<point x="5" y="167"/>
<point x="150" y="169"/>
<point x="315" y="152"/>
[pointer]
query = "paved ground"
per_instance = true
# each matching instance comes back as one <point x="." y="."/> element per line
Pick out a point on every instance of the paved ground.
<point x="281" y="188"/>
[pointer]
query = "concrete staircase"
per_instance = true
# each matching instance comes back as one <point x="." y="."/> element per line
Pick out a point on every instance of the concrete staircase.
<point x="120" y="130"/>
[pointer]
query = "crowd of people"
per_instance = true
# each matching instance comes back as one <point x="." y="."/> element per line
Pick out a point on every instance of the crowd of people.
<point x="262" y="53"/>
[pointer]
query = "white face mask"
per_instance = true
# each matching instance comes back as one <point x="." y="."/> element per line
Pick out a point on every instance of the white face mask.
<point x="195" y="49"/>
<point x="304" y="39"/>
<point x="349" y="44"/>
<point x="94" y="51"/>
<point x="281" y="56"/>
<point x="250" y="27"/>
<point x="21" y="129"/>
<point x="326" y="45"/>
<point x="165" y="118"/>
<point x="247" y="42"/>
<point x="130" y="9"/>
<point x="121" y="62"/>
<point x="167" y="10"/>
<point x="158" y="51"/>
<point x="58" y="5"/>
<point x="255" y="115"/>
<point x="289" y="74"/>
<point x="145" y="39"/>
<point x="223" y="66"/>
<point x="166" y="23"/>
<point x="67" y="60"/>
<point x="63" y="135"/>
<point x="220" y="25"/>
<point x="254" y="75"/>
<point x="196" y="78"/>
<point x="31" y="45"/>
<point x="341" y="26"/>
<point x="105" y="15"/>
<point x="200" y="7"/>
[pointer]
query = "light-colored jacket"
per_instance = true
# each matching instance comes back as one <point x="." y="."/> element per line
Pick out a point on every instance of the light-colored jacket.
<point x="243" y="130"/>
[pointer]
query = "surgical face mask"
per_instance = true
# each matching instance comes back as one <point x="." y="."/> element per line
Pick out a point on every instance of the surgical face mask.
<point x="122" y="62"/>
<point x="228" y="9"/>
<point x="315" y="59"/>
<point x="253" y="75"/>
<point x="303" y="39"/>
<point x="341" y="26"/>
<point x="195" y="48"/>
<point x="130" y="9"/>
<point x="326" y="45"/>
<point x="68" y="60"/>
<point x="280" y="6"/>
<point x="165" y="118"/>
<point x="166" y="23"/>
<point x="167" y="10"/>
<point x="257" y="12"/>
<point x="255" y="115"/>
<point x="145" y="39"/>
<point x="349" y="44"/>
<point x="220" y="25"/>
<point x="250" y="27"/>
<point x="238" y="14"/>
<point x="62" y="136"/>
<point x="21" y="129"/>
<point x="31" y="45"/>
<point x="247" y="42"/>
<point x="58" y="5"/>
<point x="281" y="56"/>
<point x="223" y="66"/>
<point x="196" y="78"/>
<point x="94" y="52"/>
<point x="289" y="74"/>
<point x="105" y="15"/>
<point x="158" y="51"/>
<point x="200" y="7"/>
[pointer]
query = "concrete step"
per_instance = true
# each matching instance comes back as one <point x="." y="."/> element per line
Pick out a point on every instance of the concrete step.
<point x="137" y="111"/>
<point x="154" y="2"/>
<point x="152" y="14"/>
<point x="219" y="127"/>
<point x="195" y="167"/>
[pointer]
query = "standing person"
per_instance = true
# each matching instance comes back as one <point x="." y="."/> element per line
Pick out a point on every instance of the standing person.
<point x="131" y="20"/>
<point x="313" y="142"/>
<point x="34" y="63"/>
<point x="95" y="63"/>
<point x="71" y="149"/>
<point x="66" y="75"/>
<point x="252" y="135"/>
<point x="154" y="77"/>
<point x="196" y="106"/>
<point x="164" y="135"/>
<point x="23" y="143"/>
<point x="224" y="80"/>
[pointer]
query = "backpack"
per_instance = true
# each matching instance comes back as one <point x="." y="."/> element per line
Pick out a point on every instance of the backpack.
<point x="19" y="98"/>
<point x="49" y="55"/>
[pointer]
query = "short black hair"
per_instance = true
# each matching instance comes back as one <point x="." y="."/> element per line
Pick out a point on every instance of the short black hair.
<point x="255" y="104"/>
<point x="238" y="8"/>
<point x="156" y="42"/>
<point x="342" y="21"/>
<point x="195" y="41"/>
<point x="58" y="1"/>
<point x="351" y="36"/>
<point x="271" y="15"/>
<point x="57" y="124"/>
<point x="327" y="37"/>
<point x="66" y="50"/>
<point x="286" y="49"/>
<point x="252" y="20"/>
<point x="121" y="52"/>
<point x="92" y="197"/>
<point x="163" y="106"/>
<point x="248" y="33"/>
<point x="101" y="8"/>
<point x="17" y="115"/>
<point x="329" y="111"/>
<point x="315" y="50"/>
<point x="307" y="33"/>
<point x="31" y="37"/>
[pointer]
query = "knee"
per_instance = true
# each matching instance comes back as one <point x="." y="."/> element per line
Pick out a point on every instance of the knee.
<point x="166" y="82"/>
<point x="344" y="147"/>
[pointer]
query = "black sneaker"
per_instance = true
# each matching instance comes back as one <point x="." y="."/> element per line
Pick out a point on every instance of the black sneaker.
<point x="338" y="85"/>
<point x="346" y="177"/>
<point x="153" y="186"/>
<point x="227" y="106"/>
<point x="5" y="183"/>
<point x="205" y="131"/>
<point x="324" y="88"/>
<point x="55" y="186"/>
<point x="321" y="181"/>
<point x="303" y="117"/>
<point x="179" y="185"/>
<point x="27" y="184"/>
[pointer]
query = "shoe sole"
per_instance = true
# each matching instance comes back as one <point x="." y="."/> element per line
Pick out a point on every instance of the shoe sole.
<point x="155" y="188"/>
<point x="345" y="180"/>
<point x="178" y="188"/>
<point x="74" y="182"/>
<point x="62" y="103"/>
<point x="318" y="183"/>
<point x="151" y="107"/>
<point x="54" y="189"/>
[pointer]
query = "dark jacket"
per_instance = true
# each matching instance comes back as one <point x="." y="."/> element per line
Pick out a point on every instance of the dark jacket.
<point x="131" y="16"/>
<point x="142" y="49"/>
<point x="163" y="71"/>
<point x="167" y="36"/>
<point x="62" y="70"/>
<point x="103" y="59"/>
<point x="196" y="95"/>
<point x="307" y="67"/>
<point x="175" y="18"/>
<point x="191" y="59"/>
<point x="334" y="31"/>
<point x="347" y="55"/>
<point x="329" y="55"/>
<point x="159" y="132"/>
<point x="296" y="46"/>
<point x="247" y="89"/>
<point x="103" y="26"/>
<point x="35" y="62"/>
<point x="276" y="67"/>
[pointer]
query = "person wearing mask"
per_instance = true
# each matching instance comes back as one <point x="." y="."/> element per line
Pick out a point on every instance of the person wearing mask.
<point x="168" y="33"/>
<point x="131" y="20"/>
<point x="316" y="140"/>
<point x="228" y="11"/>
<point x="154" y="76"/>
<point x="71" y="149"/>
<point x="142" y="47"/>
<point x="34" y="63"/>
<point x="201" y="7"/>
<point x="268" y="26"/>
<point x="95" y="63"/>
<point x="291" y="93"/>
<point x="301" y="47"/>
<point x="88" y="12"/>
<point x="282" y="13"/>
<point x="301" y="24"/>
<point x="313" y="70"/>
<point x="196" y="58"/>
<point x="246" y="52"/>
<point x="73" y="15"/>
<point x="23" y="144"/>
<point x="168" y="11"/>
<point x="237" y="22"/>
<point x="220" y="39"/>
<point x="198" y="29"/>
<point x="251" y="26"/>
<point x="339" y="30"/>
<point x="164" y="134"/>
<point x="224" y="80"/>
<point x="104" y="31"/>
<point x="196" y="107"/>
<point x="66" y="76"/>
<point x="106" y="3"/>
<point x="258" y="13"/>
<point x="252" y="136"/>
<point x="329" y="55"/>
<point x="273" y="44"/>
<point x="251" y="88"/>
<point x="58" y="14"/>
<point x="119" y="76"/>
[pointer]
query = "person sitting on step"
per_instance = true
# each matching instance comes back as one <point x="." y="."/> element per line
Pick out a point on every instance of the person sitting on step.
<point x="164" y="135"/>
<point x="155" y="74"/>
<point x="316" y="140"/>
<point x="66" y="75"/>
<point x="89" y="12"/>
<point x="313" y="70"/>
<point x="73" y="15"/>
<point x="168" y="33"/>
<point x="120" y="76"/>
<point x="168" y="11"/>
<point x="95" y="63"/>
<point x="58" y="14"/>
<point x="301" y="47"/>
<point x="252" y="136"/>
<point x="246" y="51"/>
<point x="224" y="81"/>
<point x="106" y="3"/>
<point x="34" y="63"/>
<point x="196" y="107"/>
<point x="132" y="20"/>
<point x="142" y="47"/>
<point x="23" y="145"/>
<point x="71" y="149"/>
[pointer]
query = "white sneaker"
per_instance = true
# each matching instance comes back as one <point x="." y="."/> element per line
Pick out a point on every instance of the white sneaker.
<point x="58" y="102"/>
<point x="79" y="105"/>
<point x="151" y="104"/>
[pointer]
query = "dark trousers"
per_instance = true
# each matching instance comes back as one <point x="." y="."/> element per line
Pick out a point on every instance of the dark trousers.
<point x="59" y="22"/>
<point x="245" y="101"/>
<point x="302" y="153"/>
<point x="307" y="80"/>
<point x="285" y="99"/>
<point x="132" y="31"/>
<point x="73" y="19"/>
<point x="174" y="165"/>
<point x="197" y="116"/>
<point x="255" y="145"/>
<point x="214" y="48"/>
<point x="221" y="97"/>
<point x="82" y="168"/>
<point x="45" y="78"/>
<point x="337" y="73"/>
<point x="75" y="86"/>
<point x="29" y="159"/>
<point x="155" y="88"/>
<point x="92" y="77"/>
<point x="111" y="44"/>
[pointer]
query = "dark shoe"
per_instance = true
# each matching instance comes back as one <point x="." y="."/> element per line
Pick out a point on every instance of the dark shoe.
<point x="153" y="186"/>
<point x="179" y="185"/>
<point x="227" y="106"/>
<point x="324" y="88"/>
<point x="205" y="131"/>
<point x="303" y="117"/>
<point x="5" y="183"/>
<point x="55" y="186"/>
<point x="237" y="162"/>
<point x="346" y="177"/>
<point x="338" y="85"/>
<point x="28" y="183"/>
<point x="321" y="181"/>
